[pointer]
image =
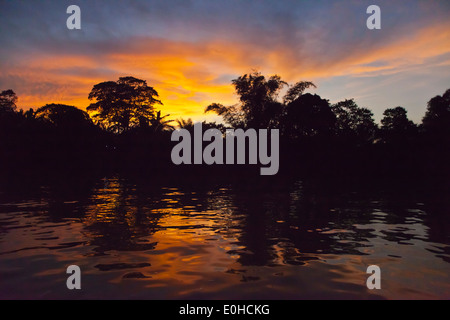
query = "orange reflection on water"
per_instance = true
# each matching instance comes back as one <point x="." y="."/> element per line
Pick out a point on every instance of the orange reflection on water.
<point x="150" y="241"/>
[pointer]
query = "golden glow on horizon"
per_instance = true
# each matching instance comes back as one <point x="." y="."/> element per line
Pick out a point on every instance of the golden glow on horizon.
<point x="186" y="75"/>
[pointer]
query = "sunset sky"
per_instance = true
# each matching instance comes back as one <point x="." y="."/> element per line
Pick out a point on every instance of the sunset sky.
<point x="190" y="50"/>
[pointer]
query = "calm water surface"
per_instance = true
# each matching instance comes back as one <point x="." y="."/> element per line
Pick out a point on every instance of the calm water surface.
<point x="219" y="241"/>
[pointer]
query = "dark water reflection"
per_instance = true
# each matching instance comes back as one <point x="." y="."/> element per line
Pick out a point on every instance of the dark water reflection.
<point x="164" y="240"/>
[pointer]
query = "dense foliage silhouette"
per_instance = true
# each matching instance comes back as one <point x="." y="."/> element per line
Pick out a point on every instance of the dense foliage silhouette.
<point x="122" y="105"/>
<point x="122" y="130"/>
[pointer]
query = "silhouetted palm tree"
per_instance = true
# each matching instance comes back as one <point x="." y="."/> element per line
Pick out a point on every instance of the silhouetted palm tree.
<point x="259" y="106"/>
<point x="185" y="124"/>
<point x="161" y="123"/>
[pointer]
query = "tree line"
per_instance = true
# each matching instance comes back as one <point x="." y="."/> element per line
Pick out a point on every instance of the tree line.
<point x="123" y="127"/>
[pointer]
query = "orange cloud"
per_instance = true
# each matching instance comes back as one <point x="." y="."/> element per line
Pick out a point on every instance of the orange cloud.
<point x="189" y="76"/>
<point x="397" y="55"/>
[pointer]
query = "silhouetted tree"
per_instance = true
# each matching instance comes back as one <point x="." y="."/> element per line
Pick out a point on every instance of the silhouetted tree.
<point x="29" y="114"/>
<point x="354" y="123"/>
<point x="437" y="118"/>
<point x="10" y="119"/>
<point x="258" y="98"/>
<point x="395" y="125"/>
<point x="232" y="115"/>
<point x="436" y="138"/>
<point x="66" y="132"/>
<point x="123" y="104"/>
<point x="8" y="100"/>
<point x="161" y="123"/>
<point x="63" y="116"/>
<point x="297" y="90"/>
<point x="187" y="124"/>
<point x="258" y="105"/>
<point x="307" y="116"/>
<point x="213" y="125"/>
<point x="315" y="137"/>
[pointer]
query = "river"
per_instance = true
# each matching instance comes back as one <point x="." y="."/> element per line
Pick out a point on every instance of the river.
<point x="220" y="240"/>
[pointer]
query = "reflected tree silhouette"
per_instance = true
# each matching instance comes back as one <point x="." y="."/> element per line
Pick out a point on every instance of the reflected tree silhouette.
<point x="117" y="219"/>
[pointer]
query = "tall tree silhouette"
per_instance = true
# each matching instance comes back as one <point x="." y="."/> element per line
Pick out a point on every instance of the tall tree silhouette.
<point x="307" y="116"/>
<point x="9" y="123"/>
<point x="436" y="135"/>
<point x="123" y="104"/>
<point x="259" y="106"/>
<point x="258" y="98"/>
<point x="161" y="123"/>
<point x="353" y="123"/>
<point x="8" y="100"/>
<point x="395" y="125"/>
<point x="436" y="121"/>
